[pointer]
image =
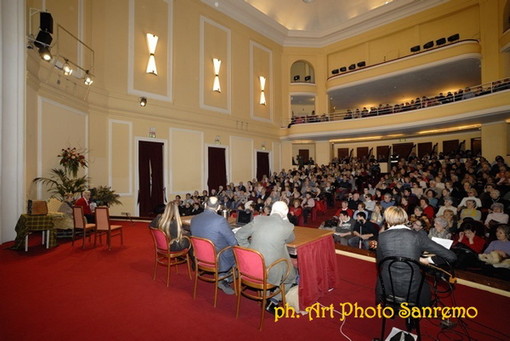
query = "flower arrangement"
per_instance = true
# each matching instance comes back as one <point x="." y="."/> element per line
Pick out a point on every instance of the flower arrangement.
<point x="72" y="160"/>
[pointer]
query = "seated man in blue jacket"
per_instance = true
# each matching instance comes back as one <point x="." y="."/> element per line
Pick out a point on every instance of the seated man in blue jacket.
<point x="214" y="227"/>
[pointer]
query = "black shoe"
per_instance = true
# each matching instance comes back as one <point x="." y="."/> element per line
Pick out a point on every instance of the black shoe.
<point x="411" y="324"/>
<point x="270" y="306"/>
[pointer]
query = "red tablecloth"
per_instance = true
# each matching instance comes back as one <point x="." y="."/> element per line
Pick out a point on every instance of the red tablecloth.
<point x="317" y="270"/>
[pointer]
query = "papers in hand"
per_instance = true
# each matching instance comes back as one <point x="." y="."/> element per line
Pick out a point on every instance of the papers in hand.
<point x="447" y="243"/>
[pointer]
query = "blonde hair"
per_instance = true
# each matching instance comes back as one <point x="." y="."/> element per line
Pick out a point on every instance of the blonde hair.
<point x="171" y="212"/>
<point x="395" y="215"/>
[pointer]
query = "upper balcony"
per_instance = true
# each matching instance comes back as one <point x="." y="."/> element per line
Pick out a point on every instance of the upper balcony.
<point x="441" y="69"/>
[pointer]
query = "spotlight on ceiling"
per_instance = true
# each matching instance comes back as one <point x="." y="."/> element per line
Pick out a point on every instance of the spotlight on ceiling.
<point x="88" y="80"/>
<point x="45" y="53"/>
<point x="143" y="101"/>
<point x="66" y="68"/>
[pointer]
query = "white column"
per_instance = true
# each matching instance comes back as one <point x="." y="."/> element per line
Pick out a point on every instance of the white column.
<point x="12" y="115"/>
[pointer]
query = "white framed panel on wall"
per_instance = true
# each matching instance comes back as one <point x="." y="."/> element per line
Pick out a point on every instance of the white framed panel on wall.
<point x="138" y="139"/>
<point x="277" y="156"/>
<point x="120" y="159"/>
<point x="242" y="165"/>
<point x="139" y="82"/>
<point x="215" y="43"/>
<point x="58" y="127"/>
<point x="261" y="65"/>
<point x="186" y="161"/>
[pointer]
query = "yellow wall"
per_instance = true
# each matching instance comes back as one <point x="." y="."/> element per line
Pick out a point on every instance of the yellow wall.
<point x="186" y="115"/>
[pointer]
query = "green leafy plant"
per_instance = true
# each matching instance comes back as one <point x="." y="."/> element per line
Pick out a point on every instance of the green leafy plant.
<point x="60" y="183"/>
<point x="105" y="196"/>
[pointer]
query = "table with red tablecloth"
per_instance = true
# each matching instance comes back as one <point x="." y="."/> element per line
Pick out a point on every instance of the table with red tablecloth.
<point x="315" y="250"/>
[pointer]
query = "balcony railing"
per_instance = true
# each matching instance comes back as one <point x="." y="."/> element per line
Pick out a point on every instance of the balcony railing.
<point x="418" y="103"/>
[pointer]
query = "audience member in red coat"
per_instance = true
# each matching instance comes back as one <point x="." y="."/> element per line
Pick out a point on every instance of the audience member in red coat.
<point x="345" y="208"/>
<point x="295" y="212"/>
<point x="85" y="203"/>
<point x="427" y="209"/>
<point x="469" y="238"/>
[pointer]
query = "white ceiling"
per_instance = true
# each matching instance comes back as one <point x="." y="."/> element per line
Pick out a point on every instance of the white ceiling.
<point x="316" y="23"/>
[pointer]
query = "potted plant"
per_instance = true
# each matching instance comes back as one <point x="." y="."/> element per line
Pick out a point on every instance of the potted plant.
<point x="66" y="180"/>
<point x="60" y="183"/>
<point x="105" y="196"/>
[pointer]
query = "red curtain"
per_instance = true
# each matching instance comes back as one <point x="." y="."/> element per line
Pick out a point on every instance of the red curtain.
<point x="262" y="165"/>
<point x="317" y="270"/>
<point x="217" y="174"/>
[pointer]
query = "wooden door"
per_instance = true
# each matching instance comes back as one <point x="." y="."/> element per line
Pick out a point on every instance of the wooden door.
<point x="150" y="177"/>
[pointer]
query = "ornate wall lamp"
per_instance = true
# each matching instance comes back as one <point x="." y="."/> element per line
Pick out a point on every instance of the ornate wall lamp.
<point x="262" y="87"/>
<point x="216" y="83"/>
<point x="152" y="43"/>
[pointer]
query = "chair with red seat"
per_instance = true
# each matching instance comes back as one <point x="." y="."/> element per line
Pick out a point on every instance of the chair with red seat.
<point x="80" y="224"/>
<point x="103" y="226"/>
<point x="252" y="274"/>
<point x="163" y="255"/>
<point x="207" y="264"/>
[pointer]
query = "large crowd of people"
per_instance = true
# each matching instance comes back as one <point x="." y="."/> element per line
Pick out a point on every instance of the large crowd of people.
<point x="464" y="200"/>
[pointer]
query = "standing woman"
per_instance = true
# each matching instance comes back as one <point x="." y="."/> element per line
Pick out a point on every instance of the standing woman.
<point x="170" y="223"/>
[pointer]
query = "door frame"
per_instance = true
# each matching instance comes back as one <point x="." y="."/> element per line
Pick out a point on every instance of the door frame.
<point x="165" y="168"/>
<point x="270" y="158"/>
<point x="205" y="175"/>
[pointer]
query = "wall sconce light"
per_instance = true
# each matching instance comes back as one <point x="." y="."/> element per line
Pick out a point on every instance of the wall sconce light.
<point x="217" y="139"/>
<point x="152" y="42"/>
<point x="263" y="147"/>
<point x="143" y="101"/>
<point x="216" y="84"/>
<point x="152" y="133"/>
<point x="262" y="87"/>
<point x="88" y="80"/>
<point x="66" y="68"/>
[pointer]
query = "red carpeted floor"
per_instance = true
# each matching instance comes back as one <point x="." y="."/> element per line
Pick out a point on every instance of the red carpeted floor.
<point x="69" y="293"/>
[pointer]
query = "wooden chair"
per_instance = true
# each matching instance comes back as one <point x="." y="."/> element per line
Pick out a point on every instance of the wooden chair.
<point x="207" y="262"/>
<point x="252" y="274"/>
<point x="79" y="224"/>
<point x="163" y="255"/>
<point x="103" y="227"/>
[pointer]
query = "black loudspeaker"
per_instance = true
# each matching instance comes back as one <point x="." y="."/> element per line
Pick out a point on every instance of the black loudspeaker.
<point x="428" y="45"/>
<point x="441" y="41"/>
<point x="308" y="78"/>
<point x="296" y="78"/>
<point x="454" y="37"/>
<point x="415" y="48"/>
<point x="343" y="69"/>
<point x="362" y="64"/>
<point x="352" y="66"/>
<point x="335" y="71"/>
<point x="46" y="22"/>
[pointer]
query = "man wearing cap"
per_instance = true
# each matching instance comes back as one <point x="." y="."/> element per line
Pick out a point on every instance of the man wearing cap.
<point x="214" y="227"/>
<point x="269" y="235"/>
